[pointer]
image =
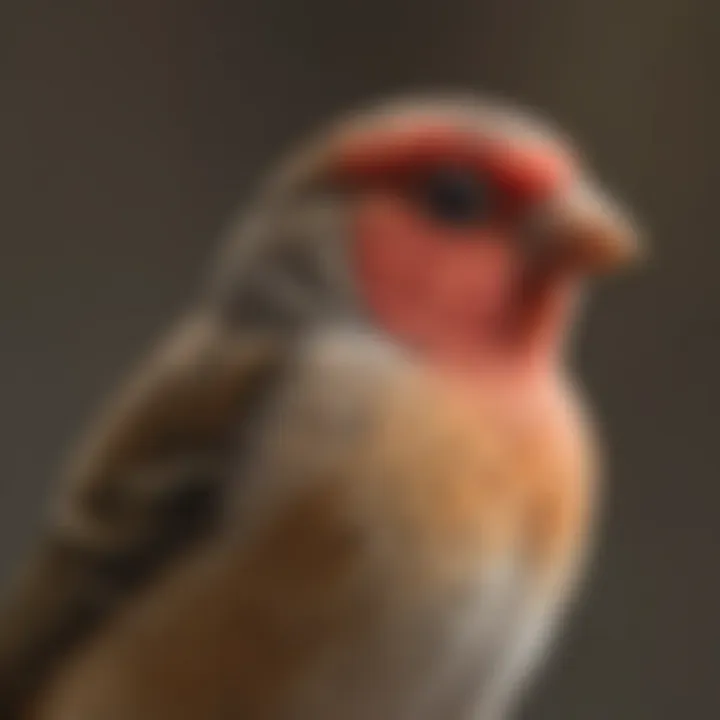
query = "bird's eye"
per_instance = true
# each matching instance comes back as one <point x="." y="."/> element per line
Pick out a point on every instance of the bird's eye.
<point x="456" y="196"/>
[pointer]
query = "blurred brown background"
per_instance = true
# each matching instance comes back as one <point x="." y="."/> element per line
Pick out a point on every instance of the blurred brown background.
<point x="129" y="131"/>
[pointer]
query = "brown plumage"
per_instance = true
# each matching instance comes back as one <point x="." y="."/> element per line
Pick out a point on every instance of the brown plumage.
<point x="351" y="484"/>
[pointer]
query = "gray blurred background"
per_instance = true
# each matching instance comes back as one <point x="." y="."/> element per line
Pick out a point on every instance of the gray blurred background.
<point x="129" y="131"/>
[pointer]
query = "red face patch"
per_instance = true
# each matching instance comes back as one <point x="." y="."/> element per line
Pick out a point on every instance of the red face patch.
<point x="430" y="285"/>
<point x="449" y="287"/>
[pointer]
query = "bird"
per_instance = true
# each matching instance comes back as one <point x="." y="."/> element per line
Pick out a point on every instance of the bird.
<point x="357" y="478"/>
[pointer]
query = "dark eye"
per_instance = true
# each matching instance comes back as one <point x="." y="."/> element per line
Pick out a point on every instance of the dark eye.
<point x="456" y="196"/>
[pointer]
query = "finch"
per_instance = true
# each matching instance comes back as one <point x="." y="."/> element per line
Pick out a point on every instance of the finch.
<point x="357" y="479"/>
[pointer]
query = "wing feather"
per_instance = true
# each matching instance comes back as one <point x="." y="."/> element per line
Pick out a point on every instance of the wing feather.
<point x="148" y="482"/>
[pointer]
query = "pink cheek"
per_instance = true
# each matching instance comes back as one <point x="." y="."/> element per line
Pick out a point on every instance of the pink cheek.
<point x="394" y="264"/>
<point x="476" y="275"/>
<point x="386" y="253"/>
<point x="425" y="282"/>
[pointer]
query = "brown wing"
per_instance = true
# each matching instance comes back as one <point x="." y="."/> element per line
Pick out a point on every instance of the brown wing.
<point x="148" y="482"/>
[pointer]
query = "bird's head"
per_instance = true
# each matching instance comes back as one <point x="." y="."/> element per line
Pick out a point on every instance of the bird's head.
<point x="461" y="229"/>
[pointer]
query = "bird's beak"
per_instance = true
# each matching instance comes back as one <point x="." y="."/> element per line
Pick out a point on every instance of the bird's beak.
<point x="588" y="231"/>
